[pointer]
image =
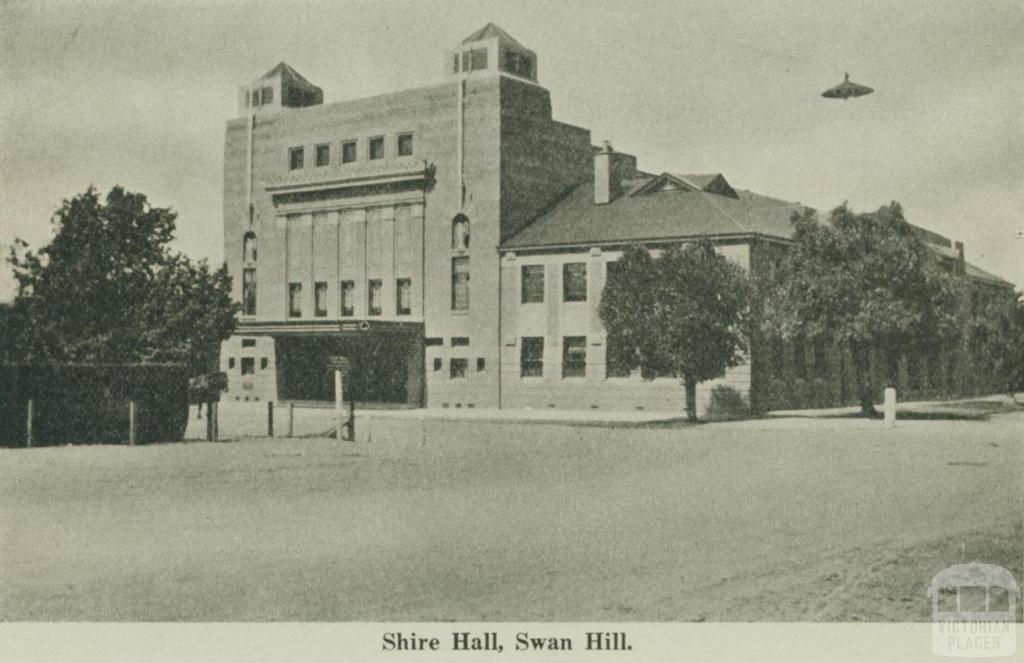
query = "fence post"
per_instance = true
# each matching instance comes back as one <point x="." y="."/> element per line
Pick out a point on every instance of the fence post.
<point x="28" y="423"/>
<point x="131" y="423"/>
<point x="291" y="419"/>
<point x="339" y="406"/>
<point x="215" y="416"/>
<point x="209" y="421"/>
<point x="270" y="418"/>
<point x="351" y="425"/>
<point x="890" y="406"/>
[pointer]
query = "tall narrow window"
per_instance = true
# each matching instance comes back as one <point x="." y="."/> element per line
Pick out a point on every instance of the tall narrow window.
<point x="249" y="247"/>
<point x="320" y="299"/>
<point x="403" y="296"/>
<point x="249" y="291"/>
<point x="460" y="284"/>
<point x="296" y="157"/>
<point x="531" y="357"/>
<point x="373" y="297"/>
<point x="323" y="155"/>
<point x="533" y="284"/>
<point x="460" y="232"/>
<point x="294" y="300"/>
<point x="458" y="368"/>
<point x="348" y="299"/>
<point x="404" y="145"/>
<point x="268" y="95"/>
<point x="574" y="356"/>
<point x="574" y="282"/>
<point x="377" y="147"/>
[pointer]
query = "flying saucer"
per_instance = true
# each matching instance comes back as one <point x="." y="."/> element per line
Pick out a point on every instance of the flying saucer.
<point x="846" y="89"/>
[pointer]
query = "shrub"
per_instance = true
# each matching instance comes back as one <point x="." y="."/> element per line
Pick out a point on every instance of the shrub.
<point x="727" y="403"/>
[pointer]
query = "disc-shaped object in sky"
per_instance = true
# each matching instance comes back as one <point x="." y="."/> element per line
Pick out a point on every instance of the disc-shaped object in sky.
<point x="846" y="89"/>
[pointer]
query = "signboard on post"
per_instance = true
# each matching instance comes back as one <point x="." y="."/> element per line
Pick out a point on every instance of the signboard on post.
<point x="340" y="364"/>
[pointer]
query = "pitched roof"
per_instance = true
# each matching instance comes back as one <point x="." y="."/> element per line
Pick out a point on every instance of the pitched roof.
<point x="286" y="72"/>
<point x="491" y="30"/>
<point x="639" y="215"/>
<point x="980" y="274"/>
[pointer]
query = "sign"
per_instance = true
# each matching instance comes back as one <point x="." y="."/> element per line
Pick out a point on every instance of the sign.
<point x="338" y="363"/>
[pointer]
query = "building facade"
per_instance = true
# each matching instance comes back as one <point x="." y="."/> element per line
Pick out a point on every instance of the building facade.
<point x="451" y="242"/>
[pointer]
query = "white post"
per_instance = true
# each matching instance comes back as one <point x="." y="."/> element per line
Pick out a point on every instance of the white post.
<point x="890" y="406"/>
<point x="339" y="405"/>
<point x="131" y="422"/>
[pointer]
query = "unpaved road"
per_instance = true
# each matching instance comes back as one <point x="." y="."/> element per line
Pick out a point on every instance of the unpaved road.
<point x="761" y="520"/>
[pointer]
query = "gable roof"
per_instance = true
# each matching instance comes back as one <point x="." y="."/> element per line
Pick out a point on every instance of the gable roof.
<point x="643" y="214"/>
<point x="491" y="30"/>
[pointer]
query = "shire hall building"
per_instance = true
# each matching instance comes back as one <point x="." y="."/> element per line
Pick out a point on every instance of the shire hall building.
<point x="453" y="242"/>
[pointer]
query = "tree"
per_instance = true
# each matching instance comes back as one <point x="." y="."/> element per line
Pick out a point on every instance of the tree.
<point x="866" y="281"/>
<point x="682" y="314"/>
<point x="107" y="289"/>
<point x="997" y="332"/>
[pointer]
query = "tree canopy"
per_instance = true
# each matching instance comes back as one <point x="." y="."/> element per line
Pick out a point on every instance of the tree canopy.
<point x="681" y="313"/>
<point x="865" y="281"/>
<point x="108" y="289"/>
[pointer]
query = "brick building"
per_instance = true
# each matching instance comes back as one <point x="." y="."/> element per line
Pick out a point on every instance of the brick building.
<point x="452" y="241"/>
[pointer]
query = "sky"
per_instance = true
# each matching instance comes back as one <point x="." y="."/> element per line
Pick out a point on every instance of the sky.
<point x="138" y="93"/>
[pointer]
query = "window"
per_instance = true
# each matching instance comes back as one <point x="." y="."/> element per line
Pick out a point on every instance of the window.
<point x="518" y="64"/>
<point x="320" y="299"/>
<point x="373" y="297"/>
<point x="404" y="145"/>
<point x="574" y="282"/>
<point x="248" y="343"/>
<point x="263" y="363"/>
<point x="268" y="95"/>
<point x="457" y="368"/>
<point x="533" y="284"/>
<point x="323" y="155"/>
<point x="531" y="357"/>
<point x="255" y="98"/>
<point x="403" y="296"/>
<point x="348" y="300"/>
<point x="294" y="300"/>
<point x="231" y="362"/>
<point x="465" y="61"/>
<point x="377" y="147"/>
<point x="574" y="356"/>
<point x="296" y="155"/>
<point x="455" y="67"/>
<point x="481" y="364"/>
<point x="438" y="363"/>
<point x="460" y="341"/>
<point x="460" y="232"/>
<point x="249" y="247"/>
<point x="348" y="151"/>
<point x="248" y="365"/>
<point x="433" y="341"/>
<point x="249" y="291"/>
<point x="478" y="58"/>
<point x="460" y="284"/>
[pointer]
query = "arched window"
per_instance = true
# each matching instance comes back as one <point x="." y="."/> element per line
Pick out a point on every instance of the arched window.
<point x="249" y="247"/>
<point x="460" y="232"/>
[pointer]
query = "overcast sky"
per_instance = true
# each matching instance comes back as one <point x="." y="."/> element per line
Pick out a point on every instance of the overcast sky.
<point x="137" y="94"/>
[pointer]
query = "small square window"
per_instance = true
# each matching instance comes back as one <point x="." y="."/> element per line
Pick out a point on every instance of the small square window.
<point x="320" y="299"/>
<point x="348" y="151"/>
<point x="296" y="157"/>
<point x="373" y="297"/>
<point x="377" y="147"/>
<point x="479" y="58"/>
<point x="348" y="299"/>
<point x="263" y="363"/>
<point x="403" y="296"/>
<point x="323" y="155"/>
<point x="404" y="145"/>
<point x="481" y="364"/>
<point x="460" y="340"/>
<point x="248" y="365"/>
<point x="433" y="341"/>
<point x="438" y="363"/>
<point x="458" y="368"/>
<point x="248" y="343"/>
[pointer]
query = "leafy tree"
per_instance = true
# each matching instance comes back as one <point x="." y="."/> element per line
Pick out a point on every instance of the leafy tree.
<point x="108" y="289"/>
<point x="865" y="281"/>
<point x="681" y="313"/>
<point x="997" y="333"/>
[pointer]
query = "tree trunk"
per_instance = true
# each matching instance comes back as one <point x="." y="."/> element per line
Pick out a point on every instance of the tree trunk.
<point x="862" y="373"/>
<point x="691" y="398"/>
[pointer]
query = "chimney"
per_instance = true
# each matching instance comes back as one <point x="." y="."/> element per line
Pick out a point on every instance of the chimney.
<point x="606" y="181"/>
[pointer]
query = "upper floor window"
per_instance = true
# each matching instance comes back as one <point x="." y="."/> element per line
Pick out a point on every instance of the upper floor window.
<point x="294" y="300"/>
<point x="373" y="297"/>
<point x="348" y="151"/>
<point x="460" y="232"/>
<point x="249" y="291"/>
<point x="460" y="284"/>
<point x="249" y="247"/>
<point x="323" y="155"/>
<point x="458" y="368"/>
<point x="320" y="299"/>
<point x="248" y="365"/>
<point x="296" y="157"/>
<point x="268" y="95"/>
<point x="404" y="145"/>
<point x="377" y="147"/>
<point x="478" y="59"/>
<point x="455" y="64"/>
<point x="348" y="300"/>
<point x="533" y="284"/>
<point x="518" y="64"/>
<point x="574" y="282"/>
<point x="403" y="296"/>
